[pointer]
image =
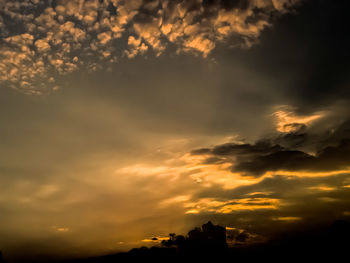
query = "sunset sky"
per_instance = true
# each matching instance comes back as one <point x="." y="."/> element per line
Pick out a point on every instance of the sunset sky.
<point x="124" y="120"/>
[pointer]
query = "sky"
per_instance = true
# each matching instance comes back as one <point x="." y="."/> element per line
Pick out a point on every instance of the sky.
<point x="121" y="121"/>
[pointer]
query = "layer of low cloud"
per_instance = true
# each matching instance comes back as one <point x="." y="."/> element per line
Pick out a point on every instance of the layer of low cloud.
<point x="43" y="40"/>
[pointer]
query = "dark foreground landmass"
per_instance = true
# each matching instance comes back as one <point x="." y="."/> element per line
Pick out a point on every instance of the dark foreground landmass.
<point x="330" y="244"/>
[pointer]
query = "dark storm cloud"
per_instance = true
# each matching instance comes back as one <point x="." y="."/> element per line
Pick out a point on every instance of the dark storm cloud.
<point x="245" y="149"/>
<point x="327" y="159"/>
<point x="266" y="155"/>
<point x="292" y="139"/>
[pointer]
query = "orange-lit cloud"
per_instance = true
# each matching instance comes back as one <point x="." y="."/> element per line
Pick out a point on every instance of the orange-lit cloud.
<point x="155" y="239"/>
<point x="66" y="36"/>
<point x="61" y="229"/>
<point x="306" y="174"/>
<point x="287" y="218"/>
<point x="192" y="167"/>
<point x="287" y="121"/>
<point x="229" y="206"/>
<point x="322" y="188"/>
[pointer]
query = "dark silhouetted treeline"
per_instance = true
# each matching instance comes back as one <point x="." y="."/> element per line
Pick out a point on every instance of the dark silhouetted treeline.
<point x="330" y="244"/>
<point x="209" y="243"/>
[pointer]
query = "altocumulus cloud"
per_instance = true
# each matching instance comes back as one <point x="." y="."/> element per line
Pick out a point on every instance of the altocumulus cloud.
<point x="42" y="40"/>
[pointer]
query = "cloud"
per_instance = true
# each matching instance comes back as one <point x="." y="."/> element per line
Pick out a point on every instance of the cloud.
<point x="211" y="205"/>
<point x="135" y="47"/>
<point x="287" y="218"/>
<point x="257" y="159"/>
<point x="42" y="38"/>
<point x="287" y="121"/>
<point x="327" y="159"/>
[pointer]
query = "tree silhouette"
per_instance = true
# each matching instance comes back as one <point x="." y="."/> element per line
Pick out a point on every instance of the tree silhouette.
<point x="209" y="239"/>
